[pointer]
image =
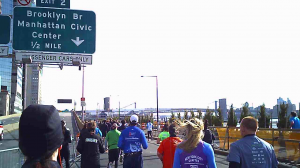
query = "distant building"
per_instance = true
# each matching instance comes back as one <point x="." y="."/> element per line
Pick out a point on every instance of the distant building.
<point x="276" y="108"/>
<point x="280" y="101"/>
<point x="4" y="103"/>
<point x="16" y="89"/>
<point x="216" y="106"/>
<point x="33" y="85"/>
<point x="223" y="107"/>
<point x="107" y="104"/>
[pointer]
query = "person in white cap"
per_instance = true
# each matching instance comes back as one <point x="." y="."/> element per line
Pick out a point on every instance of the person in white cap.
<point x="130" y="141"/>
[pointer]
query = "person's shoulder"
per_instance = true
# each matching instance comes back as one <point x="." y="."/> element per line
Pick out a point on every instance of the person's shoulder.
<point x="205" y="144"/>
<point x="265" y="143"/>
<point x="177" y="139"/>
<point x="237" y="143"/>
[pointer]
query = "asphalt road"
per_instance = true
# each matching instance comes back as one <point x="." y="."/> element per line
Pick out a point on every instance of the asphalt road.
<point x="11" y="141"/>
<point x="10" y="120"/>
<point x="151" y="160"/>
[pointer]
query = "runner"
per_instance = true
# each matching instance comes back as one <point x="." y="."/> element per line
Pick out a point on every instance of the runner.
<point x="149" y="127"/>
<point x="130" y="141"/>
<point x="40" y="136"/>
<point x="65" y="151"/>
<point x="193" y="152"/>
<point x="163" y="135"/>
<point x="121" y="128"/>
<point x="166" y="149"/>
<point x="112" y="138"/>
<point x="294" y="120"/>
<point x="251" y="151"/>
<point x="208" y="135"/>
<point x="90" y="146"/>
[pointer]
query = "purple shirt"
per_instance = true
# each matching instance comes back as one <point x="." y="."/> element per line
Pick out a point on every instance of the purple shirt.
<point x="201" y="157"/>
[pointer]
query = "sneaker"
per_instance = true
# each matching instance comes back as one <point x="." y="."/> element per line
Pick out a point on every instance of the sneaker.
<point x="109" y="165"/>
<point x="121" y="158"/>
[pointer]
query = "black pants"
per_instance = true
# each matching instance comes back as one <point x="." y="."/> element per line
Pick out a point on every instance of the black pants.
<point x="133" y="161"/>
<point x="149" y="133"/>
<point x="113" y="156"/>
<point x="66" y="155"/>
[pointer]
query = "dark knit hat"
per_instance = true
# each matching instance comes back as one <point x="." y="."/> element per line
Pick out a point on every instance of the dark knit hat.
<point x="40" y="131"/>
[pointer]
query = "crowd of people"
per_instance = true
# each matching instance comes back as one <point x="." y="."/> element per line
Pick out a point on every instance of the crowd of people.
<point x="44" y="141"/>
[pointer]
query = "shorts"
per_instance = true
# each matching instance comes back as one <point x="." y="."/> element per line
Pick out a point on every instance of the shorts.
<point x="113" y="155"/>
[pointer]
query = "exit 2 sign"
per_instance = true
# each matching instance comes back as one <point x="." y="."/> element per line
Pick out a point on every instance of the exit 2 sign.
<point x="53" y="3"/>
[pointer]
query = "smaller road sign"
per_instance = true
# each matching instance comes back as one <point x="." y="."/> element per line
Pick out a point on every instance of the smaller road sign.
<point x="55" y="58"/>
<point x="4" y="29"/>
<point x="24" y="2"/>
<point x="53" y="3"/>
<point x="3" y="51"/>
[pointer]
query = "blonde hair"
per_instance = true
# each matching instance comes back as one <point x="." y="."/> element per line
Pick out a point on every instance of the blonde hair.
<point x="192" y="130"/>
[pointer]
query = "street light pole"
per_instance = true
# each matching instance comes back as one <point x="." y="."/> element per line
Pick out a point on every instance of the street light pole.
<point x="82" y="92"/>
<point x="156" y="97"/>
<point x="157" y="100"/>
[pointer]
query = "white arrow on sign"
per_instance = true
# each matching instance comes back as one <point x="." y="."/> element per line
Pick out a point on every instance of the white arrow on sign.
<point x="77" y="41"/>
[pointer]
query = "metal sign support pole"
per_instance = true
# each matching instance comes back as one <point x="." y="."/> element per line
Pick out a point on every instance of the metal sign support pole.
<point x="82" y="92"/>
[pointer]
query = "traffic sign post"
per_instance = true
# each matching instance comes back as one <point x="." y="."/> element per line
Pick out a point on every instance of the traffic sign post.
<point x="22" y="3"/>
<point x="54" y="30"/>
<point x="54" y="58"/>
<point x="4" y="29"/>
<point x="53" y="3"/>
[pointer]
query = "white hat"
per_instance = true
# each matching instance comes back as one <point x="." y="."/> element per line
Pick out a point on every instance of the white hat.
<point x="134" y="118"/>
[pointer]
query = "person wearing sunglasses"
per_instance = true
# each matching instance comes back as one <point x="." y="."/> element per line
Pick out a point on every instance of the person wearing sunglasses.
<point x="112" y="138"/>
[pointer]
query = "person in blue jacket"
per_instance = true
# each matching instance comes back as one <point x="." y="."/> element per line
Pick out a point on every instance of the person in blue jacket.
<point x="130" y="141"/>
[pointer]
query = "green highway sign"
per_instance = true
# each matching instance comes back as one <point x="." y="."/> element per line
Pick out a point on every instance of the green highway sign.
<point x="4" y="29"/>
<point x="53" y="3"/>
<point x="54" y="30"/>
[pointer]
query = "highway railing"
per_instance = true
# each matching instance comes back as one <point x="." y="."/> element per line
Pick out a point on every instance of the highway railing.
<point x="285" y="141"/>
<point x="11" y="158"/>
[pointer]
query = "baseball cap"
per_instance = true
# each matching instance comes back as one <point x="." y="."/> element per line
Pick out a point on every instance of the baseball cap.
<point x="134" y="118"/>
<point x="40" y="131"/>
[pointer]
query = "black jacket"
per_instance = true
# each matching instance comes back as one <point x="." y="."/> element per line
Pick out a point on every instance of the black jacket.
<point x="104" y="128"/>
<point x="121" y="128"/>
<point x="50" y="164"/>
<point x="67" y="140"/>
<point x="90" y="147"/>
<point x="208" y="136"/>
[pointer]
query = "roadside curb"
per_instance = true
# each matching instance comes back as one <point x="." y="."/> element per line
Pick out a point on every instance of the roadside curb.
<point x="9" y="116"/>
<point x="11" y="127"/>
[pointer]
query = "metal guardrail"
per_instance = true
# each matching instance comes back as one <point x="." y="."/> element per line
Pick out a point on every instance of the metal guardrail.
<point x="285" y="141"/>
<point x="11" y="158"/>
